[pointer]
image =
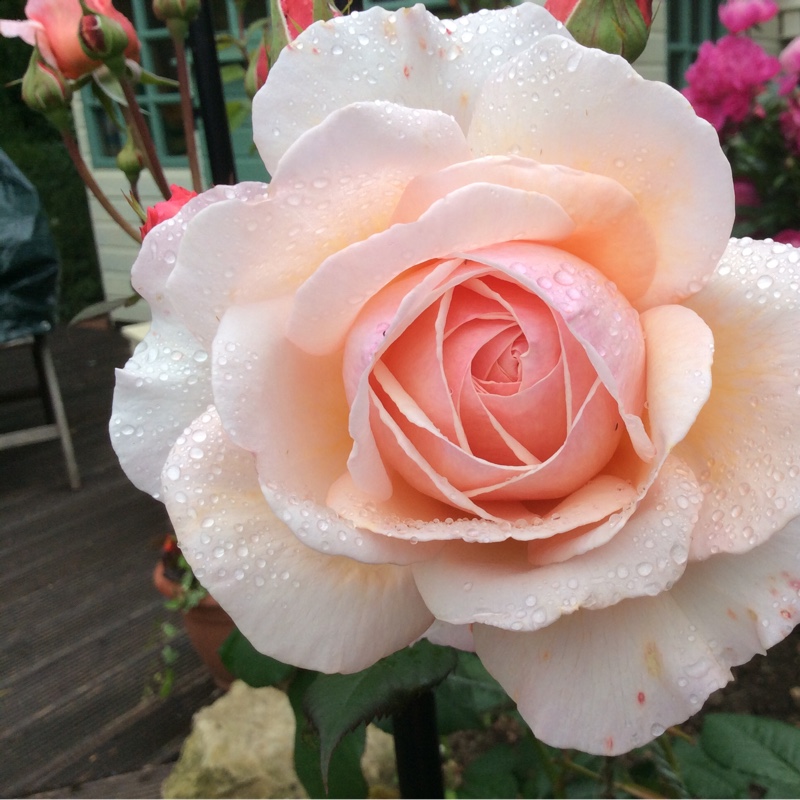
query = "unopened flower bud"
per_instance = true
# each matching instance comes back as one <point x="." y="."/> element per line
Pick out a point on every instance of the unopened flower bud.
<point x="185" y="10"/>
<point x="130" y="160"/>
<point x="44" y="89"/>
<point x="257" y="70"/>
<point x="620" y="27"/>
<point x="103" y="39"/>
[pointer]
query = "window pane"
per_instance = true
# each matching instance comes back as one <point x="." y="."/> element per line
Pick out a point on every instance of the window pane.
<point x="109" y="138"/>
<point x="170" y="115"/>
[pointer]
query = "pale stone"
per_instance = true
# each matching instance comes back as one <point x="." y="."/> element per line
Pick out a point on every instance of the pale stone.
<point x="242" y="746"/>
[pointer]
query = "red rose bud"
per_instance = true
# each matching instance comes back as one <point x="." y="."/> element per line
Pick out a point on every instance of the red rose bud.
<point x="167" y="209"/>
<point x="182" y="10"/>
<point x="257" y="70"/>
<point x="102" y="38"/>
<point x="620" y="27"/>
<point x="44" y="89"/>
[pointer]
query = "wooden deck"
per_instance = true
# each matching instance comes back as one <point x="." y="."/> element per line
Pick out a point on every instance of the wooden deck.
<point x="79" y="617"/>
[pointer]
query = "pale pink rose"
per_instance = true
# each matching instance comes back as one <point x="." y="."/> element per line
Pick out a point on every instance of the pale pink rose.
<point x="53" y="26"/>
<point x="739" y="15"/>
<point x="471" y="364"/>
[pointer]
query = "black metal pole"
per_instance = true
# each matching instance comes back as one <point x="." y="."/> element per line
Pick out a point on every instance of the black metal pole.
<point x="416" y="745"/>
<point x="210" y="95"/>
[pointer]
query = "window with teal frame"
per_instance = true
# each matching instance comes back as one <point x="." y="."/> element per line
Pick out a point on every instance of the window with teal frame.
<point x="689" y="24"/>
<point x="161" y="105"/>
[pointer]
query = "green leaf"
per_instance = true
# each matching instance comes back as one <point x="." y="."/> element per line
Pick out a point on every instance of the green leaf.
<point x="704" y="777"/>
<point x="337" y="704"/>
<point x="238" y="111"/>
<point x="231" y="73"/>
<point x="247" y="664"/>
<point x="152" y="79"/>
<point x="344" y="777"/>
<point x="491" y="774"/>
<point x="764" y="750"/>
<point x="467" y="694"/>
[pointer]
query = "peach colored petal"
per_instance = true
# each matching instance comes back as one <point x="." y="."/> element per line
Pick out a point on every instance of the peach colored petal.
<point x="410" y="515"/>
<point x="678" y="386"/>
<point x="286" y="598"/>
<point x="408" y="57"/>
<point x="458" y="636"/>
<point x="745" y="445"/>
<point x="165" y="385"/>
<point x="496" y="585"/>
<point x="657" y="658"/>
<point x="32" y="33"/>
<point x="611" y="233"/>
<point x="327" y="306"/>
<point x="656" y="147"/>
<point x="325" y="195"/>
<point x="586" y="303"/>
<point x="301" y="445"/>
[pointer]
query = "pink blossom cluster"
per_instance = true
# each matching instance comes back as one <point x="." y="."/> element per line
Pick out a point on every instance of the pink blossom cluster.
<point x="739" y="15"/>
<point x="726" y="79"/>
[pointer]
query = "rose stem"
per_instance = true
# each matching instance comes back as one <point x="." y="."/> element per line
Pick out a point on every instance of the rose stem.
<point x="416" y="744"/>
<point x="80" y="165"/>
<point x="143" y="139"/>
<point x="187" y="111"/>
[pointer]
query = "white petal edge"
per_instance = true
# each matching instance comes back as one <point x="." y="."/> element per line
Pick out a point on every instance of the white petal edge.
<point x="607" y="681"/>
<point x="315" y="611"/>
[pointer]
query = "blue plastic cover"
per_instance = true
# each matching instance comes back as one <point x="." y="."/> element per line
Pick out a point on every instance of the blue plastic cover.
<point x="28" y="258"/>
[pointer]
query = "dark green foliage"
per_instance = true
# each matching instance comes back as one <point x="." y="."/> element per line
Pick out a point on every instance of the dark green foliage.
<point x="247" y="664"/>
<point x="36" y="148"/>
<point x="342" y="776"/>
<point x="337" y="704"/>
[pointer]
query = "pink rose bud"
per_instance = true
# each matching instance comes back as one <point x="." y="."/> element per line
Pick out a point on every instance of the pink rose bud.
<point x="45" y="89"/>
<point x="257" y="70"/>
<point x="620" y="27"/>
<point x="101" y="37"/>
<point x="739" y="15"/>
<point x="167" y="209"/>
<point x="51" y="26"/>
<point x="182" y="10"/>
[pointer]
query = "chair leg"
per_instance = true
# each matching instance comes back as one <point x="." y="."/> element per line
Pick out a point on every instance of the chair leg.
<point x="41" y="376"/>
<point x="44" y="356"/>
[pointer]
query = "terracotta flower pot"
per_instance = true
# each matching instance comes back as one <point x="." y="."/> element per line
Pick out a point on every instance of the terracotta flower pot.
<point x="207" y="626"/>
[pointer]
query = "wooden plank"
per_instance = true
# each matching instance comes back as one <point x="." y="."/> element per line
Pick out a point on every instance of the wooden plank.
<point x="79" y="617"/>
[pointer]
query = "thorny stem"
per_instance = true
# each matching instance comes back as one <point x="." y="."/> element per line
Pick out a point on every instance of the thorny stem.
<point x="553" y="775"/>
<point x="142" y="137"/>
<point x="187" y="112"/>
<point x="80" y="165"/>
<point x="631" y="788"/>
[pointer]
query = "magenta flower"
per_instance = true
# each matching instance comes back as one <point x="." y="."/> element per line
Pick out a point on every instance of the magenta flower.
<point x="739" y="15"/>
<point x="727" y="77"/>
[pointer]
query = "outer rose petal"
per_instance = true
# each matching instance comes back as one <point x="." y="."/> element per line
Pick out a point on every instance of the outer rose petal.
<point x="657" y="659"/>
<point x="667" y="157"/>
<point x="744" y="446"/>
<point x="324" y="195"/>
<point x="286" y="598"/>
<point x="166" y="383"/>
<point x="421" y="62"/>
<point x="495" y="584"/>
<point x="250" y="350"/>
